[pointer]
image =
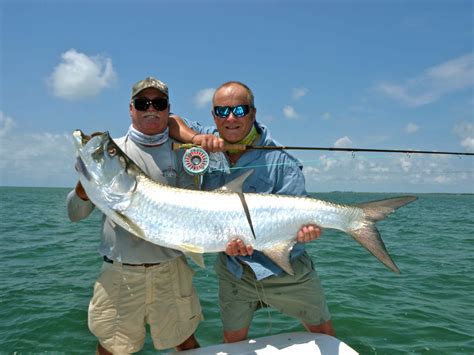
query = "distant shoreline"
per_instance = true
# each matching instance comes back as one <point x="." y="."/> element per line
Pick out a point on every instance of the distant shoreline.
<point x="312" y="192"/>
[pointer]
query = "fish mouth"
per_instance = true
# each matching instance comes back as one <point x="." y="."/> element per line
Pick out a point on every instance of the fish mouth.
<point x="81" y="139"/>
<point x="81" y="168"/>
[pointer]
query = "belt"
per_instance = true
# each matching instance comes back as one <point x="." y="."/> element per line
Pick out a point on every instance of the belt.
<point x="107" y="260"/>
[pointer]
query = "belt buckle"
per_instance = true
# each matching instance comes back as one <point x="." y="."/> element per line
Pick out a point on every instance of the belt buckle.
<point x="150" y="264"/>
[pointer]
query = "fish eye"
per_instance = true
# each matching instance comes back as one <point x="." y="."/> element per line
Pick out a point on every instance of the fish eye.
<point x="112" y="151"/>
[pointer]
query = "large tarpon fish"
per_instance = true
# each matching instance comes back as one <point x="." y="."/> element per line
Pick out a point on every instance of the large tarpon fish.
<point x="197" y="222"/>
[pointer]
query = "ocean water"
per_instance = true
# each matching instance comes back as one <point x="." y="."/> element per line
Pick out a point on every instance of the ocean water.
<point x="49" y="265"/>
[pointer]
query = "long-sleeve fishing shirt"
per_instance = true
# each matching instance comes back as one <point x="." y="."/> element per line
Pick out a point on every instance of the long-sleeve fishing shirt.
<point x="276" y="172"/>
<point x="161" y="164"/>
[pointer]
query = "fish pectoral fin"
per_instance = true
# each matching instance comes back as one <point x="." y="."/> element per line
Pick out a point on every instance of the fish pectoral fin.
<point x="280" y="255"/>
<point x="191" y="248"/>
<point x="236" y="184"/>
<point x="197" y="258"/>
<point x="194" y="253"/>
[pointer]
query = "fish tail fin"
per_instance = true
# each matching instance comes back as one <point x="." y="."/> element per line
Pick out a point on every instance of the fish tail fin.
<point x="368" y="235"/>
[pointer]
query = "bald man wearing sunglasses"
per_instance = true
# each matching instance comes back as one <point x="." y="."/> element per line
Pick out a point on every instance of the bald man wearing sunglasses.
<point x="142" y="283"/>
<point x="248" y="280"/>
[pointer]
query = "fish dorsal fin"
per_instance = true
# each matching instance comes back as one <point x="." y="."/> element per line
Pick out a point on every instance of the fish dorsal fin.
<point x="236" y="184"/>
<point x="280" y="255"/>
<point x="247" y="212"/>
<point x="197" y="258"/>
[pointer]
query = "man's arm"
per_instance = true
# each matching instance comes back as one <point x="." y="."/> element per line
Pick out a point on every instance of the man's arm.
<point x="181" y="132"/>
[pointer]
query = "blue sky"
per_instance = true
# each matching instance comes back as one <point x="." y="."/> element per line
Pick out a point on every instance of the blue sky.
<point x="369" y="74"/>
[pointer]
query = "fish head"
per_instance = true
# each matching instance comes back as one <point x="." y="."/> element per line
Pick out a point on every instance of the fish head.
<point x="105" y="172"/>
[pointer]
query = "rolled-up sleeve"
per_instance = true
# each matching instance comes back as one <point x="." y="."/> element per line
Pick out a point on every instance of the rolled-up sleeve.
<point x="198" y="127"/>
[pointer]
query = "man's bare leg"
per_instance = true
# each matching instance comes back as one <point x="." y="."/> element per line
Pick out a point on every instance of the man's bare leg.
<point x="235" y="335"/>
<point x="101" y="350"/>
<point x="188" y="344"/>
<point x="325" y="328"/>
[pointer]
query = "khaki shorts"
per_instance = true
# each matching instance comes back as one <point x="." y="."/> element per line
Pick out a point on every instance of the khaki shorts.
<point x="127" y="297"/>
<point x="300" y="296"/>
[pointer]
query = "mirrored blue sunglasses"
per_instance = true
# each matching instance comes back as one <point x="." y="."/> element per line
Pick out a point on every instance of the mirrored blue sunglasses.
<point x="238" y="111"/>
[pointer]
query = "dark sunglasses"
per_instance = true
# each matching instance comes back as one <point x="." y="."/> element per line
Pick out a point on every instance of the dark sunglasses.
<point x="142" y="104"/>
<point x="238" y="111"/>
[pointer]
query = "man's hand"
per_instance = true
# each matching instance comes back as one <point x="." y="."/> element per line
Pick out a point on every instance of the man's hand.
<point x="308" y="233"/>
<point x="80" y="192"/>
<point x="209" y="142"/>
<point x="236" y="247"/>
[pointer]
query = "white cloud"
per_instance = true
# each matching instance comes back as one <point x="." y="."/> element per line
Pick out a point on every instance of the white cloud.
<point x="326" y="115"/>
<point x="46" y="159"/>
<point x="79" y="76"/>
<point x="289" y="112"/>
<point x="442" y="179"/>
<point x="299" y="93"/>
<point x="204" y="97"/>
<point x="433" y="83"/>
<point x="468" y="144"/>
<point x="6" y="124"/>
<point x="465" y="131"/>
<point x="389" y="173"/>
<point x="411" y="128"/>
<point x="343" y="142"/>
<point x="328" y="163"/>
<point x="405" y="164"/>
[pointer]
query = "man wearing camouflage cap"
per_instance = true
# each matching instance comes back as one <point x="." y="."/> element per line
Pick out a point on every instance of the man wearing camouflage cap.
<point x="141" y="282"/>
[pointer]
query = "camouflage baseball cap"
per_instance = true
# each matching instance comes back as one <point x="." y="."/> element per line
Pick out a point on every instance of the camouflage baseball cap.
<point x="149" y="82"/>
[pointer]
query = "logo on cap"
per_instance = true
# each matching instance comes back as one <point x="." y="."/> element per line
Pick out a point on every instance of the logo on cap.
<point x="149" y="82"/>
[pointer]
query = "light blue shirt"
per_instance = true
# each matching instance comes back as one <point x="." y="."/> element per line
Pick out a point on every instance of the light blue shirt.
<point x="276" y="172"/>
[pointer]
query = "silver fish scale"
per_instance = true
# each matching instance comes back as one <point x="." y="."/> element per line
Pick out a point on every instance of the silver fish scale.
<point x="181" y="219"/>
<point x="283" y="216"/>
<point x="177" y="217"/>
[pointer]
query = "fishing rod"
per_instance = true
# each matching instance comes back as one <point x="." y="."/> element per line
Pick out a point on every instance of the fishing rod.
<point x="243" y="147"/>
<point x="196" y="159"/>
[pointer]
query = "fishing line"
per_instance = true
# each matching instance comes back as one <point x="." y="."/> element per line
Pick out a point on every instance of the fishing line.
<point x="264" y="304"/>
<point x="315" y="162"/>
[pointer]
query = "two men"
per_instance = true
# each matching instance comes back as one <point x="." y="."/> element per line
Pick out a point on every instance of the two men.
<point x="142" y="282"/>
<point x="248" y="279"/>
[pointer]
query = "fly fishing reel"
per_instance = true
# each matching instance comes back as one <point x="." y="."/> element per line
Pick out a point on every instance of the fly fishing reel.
<point x="195" y="161"/>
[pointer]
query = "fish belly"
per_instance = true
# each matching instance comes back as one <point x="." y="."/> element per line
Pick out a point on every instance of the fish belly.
<point x="179" y="218"/>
